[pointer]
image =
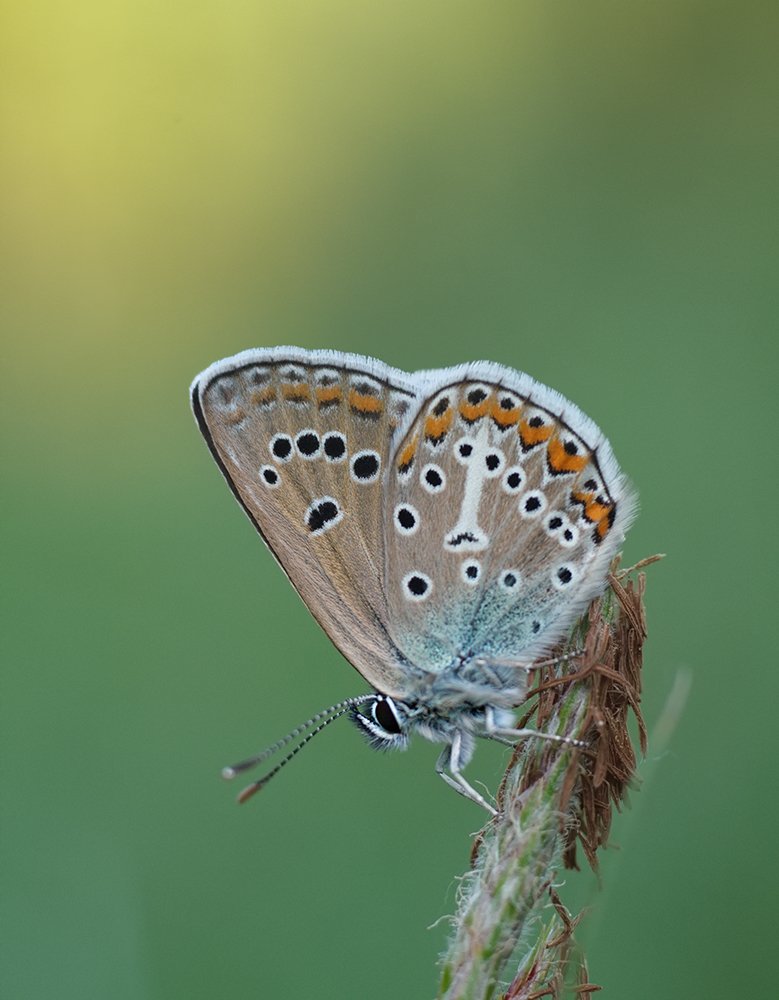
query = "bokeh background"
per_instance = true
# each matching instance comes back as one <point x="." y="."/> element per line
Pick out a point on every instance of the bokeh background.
<point x="586" y="191"/>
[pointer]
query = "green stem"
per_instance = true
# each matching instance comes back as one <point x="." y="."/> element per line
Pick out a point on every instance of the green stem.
<point x="552" y="795"/>
<point x="507" y="893"/>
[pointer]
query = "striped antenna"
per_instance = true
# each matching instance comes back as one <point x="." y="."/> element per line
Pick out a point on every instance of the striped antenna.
<point x="319" y="721"/>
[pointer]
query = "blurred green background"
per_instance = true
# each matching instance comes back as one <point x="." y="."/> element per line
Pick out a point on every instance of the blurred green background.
<point x="585" y="191"/>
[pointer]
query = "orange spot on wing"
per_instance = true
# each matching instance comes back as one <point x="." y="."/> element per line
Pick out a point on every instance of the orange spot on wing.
<point x="364" y="403"/>
<point x="236" y="416"/>
<point x="504" y="418"/>
<point x="595" y="511"/>
<point x="296" y="392"/>
<point x="437" y="427"/>
<point x="474" y="411"/>
<point x="406" y="457"/>
<point x="261" y="397"/>
<point x="599" y="514"/>
<point x="328" y="394"/>
<point x="561" y="461"/>
<point x="604" y="525"/>
<point x="532" y="436"/>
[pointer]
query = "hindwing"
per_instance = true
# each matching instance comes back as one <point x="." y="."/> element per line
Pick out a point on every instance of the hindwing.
<point x="506" y="507"/>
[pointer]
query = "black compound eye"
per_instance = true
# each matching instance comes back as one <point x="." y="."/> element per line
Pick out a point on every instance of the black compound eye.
<point x="384" y="715"/>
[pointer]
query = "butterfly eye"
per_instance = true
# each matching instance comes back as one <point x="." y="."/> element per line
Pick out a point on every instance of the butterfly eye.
<point x="384" y="715"/>
<point x="383" y="727"/>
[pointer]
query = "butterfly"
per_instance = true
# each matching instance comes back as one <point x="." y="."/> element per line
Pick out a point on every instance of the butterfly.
<point x="444" y="527"/>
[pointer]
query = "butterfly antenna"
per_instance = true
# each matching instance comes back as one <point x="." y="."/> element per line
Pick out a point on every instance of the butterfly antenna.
<point x="261" y="782"/>
<point x="319" y="721"/>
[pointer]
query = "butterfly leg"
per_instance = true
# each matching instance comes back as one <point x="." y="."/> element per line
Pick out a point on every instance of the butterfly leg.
<point x="494" y="732"/>
<point x="449" y="759"/>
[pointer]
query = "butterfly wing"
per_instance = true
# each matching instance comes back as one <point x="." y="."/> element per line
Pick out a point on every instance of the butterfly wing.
<point x="505" y="507"/>
<point x="304" y="439"/>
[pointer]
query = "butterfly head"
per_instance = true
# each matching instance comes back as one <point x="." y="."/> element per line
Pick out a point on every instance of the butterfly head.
<point x="387" y="723"/>
<point x="384" y="722"/>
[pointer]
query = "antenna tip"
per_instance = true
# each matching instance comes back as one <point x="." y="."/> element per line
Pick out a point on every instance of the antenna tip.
<point x="228" y="773"/>
<point x="250" y="790"/>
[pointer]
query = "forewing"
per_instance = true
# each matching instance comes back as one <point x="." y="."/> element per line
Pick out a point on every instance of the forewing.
<point x="505" y="509"/>
<point x="304" y="440"/>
